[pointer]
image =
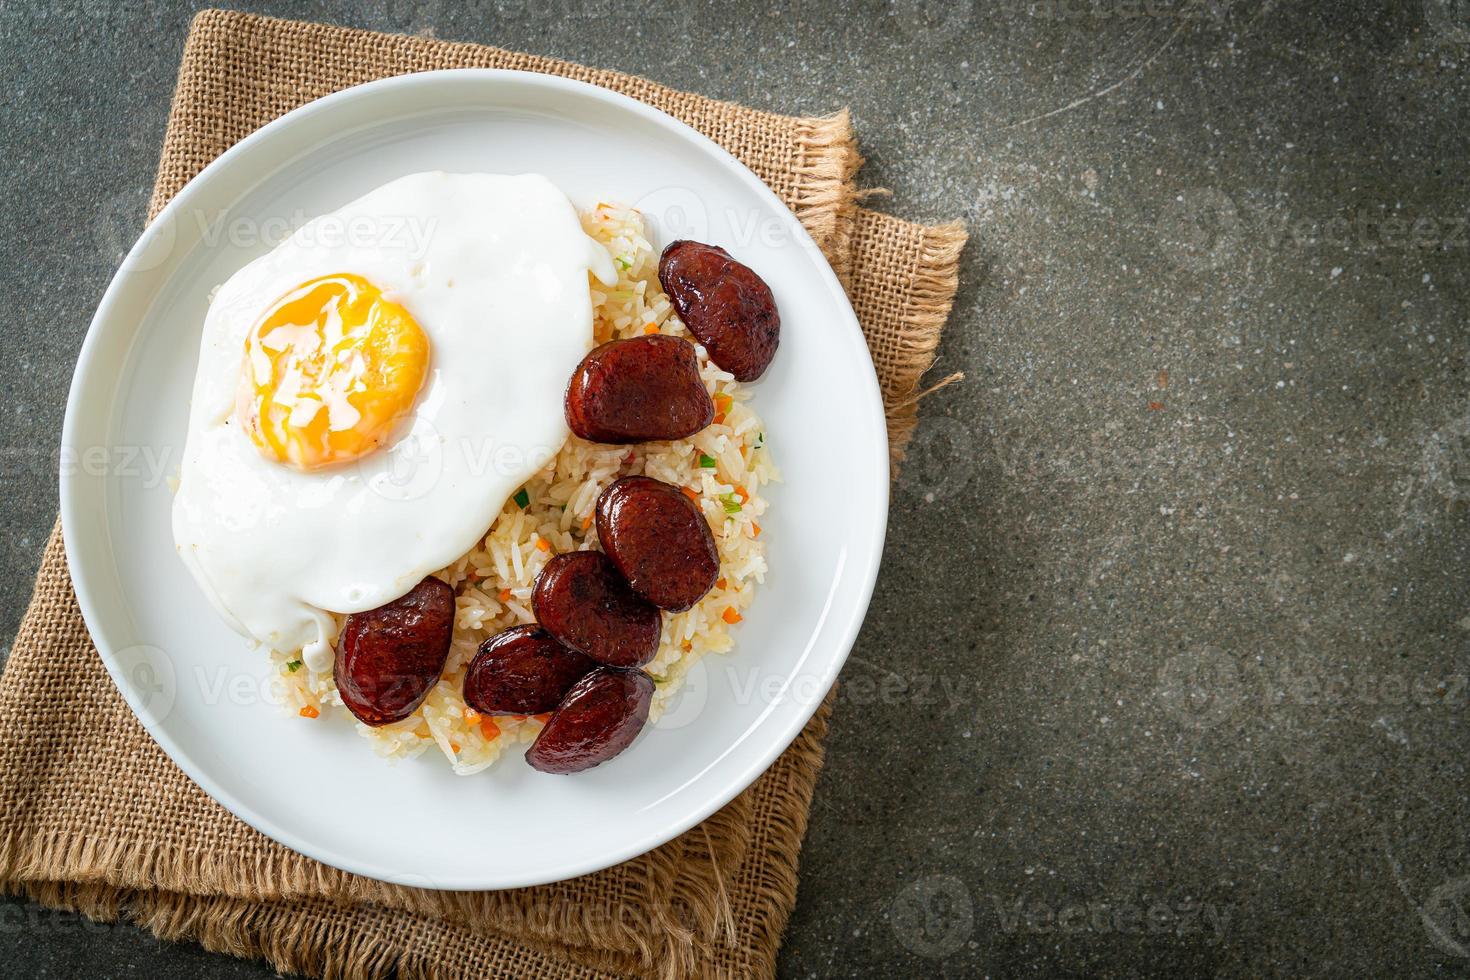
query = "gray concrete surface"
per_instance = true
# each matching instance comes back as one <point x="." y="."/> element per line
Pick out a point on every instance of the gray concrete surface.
<point x="1166" y="673"/>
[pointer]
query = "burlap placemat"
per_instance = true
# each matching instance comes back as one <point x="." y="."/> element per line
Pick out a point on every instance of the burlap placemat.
<point x="94" y="817"/>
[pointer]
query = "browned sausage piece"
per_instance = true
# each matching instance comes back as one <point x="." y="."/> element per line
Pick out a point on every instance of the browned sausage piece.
<point x="583" y="601"/>
<point x="522" y="671"/>
<point x="599" y="718"/>
<point x="659" y="540"/>
<point x="723" y="303"/>
<point x="638" y="390"/>
<point x="389" y="658"/>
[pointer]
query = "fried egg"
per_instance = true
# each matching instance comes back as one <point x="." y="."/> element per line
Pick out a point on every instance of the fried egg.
<point x="370" y="393"/>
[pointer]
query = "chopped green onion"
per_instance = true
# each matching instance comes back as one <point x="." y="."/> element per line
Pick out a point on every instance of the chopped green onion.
<point x="293" y="666"/>
<point x="731" y="502"/>
<point x="522" y="498"/>
<point x="624" y="263"/>
<point x="760" y="439"/>
<point x="706" y="462"/>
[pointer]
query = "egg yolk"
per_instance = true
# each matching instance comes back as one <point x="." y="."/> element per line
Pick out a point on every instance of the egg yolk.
<point x="329" y="370"/>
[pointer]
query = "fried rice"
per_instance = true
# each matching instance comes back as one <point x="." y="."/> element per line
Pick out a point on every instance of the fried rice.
<point x="723" y="468"/>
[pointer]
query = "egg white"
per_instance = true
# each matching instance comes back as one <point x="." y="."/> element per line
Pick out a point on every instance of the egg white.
<point x="494" y="270"/>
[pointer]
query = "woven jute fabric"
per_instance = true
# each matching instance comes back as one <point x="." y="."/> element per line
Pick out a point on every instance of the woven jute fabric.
<point x="94" y="816"/>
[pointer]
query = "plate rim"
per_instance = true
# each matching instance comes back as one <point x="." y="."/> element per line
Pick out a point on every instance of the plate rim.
<point x="135" y="263"/>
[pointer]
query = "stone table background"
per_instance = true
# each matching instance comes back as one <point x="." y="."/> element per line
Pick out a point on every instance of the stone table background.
<point x="1166" y="672"/>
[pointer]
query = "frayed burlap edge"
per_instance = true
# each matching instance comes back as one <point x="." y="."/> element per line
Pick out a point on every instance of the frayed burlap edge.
<point x="930" y="300"/>
<point x="826" y="202"/>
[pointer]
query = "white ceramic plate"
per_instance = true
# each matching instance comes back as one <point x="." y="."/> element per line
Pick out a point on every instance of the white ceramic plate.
<point x="317" y="787"/>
